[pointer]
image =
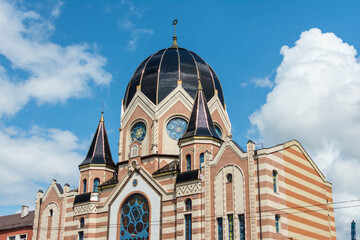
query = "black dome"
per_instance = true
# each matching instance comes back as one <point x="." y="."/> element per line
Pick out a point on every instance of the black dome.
<point x="158" y="74"/>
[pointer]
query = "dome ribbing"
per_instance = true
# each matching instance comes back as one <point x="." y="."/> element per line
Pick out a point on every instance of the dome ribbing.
<point x="158" y="76"/>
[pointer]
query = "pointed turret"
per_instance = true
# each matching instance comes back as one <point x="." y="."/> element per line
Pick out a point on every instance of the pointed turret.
<point x="99" y="152"/>
<point x="201" y="125"/>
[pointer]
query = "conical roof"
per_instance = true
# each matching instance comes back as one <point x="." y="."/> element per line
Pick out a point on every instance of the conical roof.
<point x="99" y="152"/>
<point x="200" y="123"/>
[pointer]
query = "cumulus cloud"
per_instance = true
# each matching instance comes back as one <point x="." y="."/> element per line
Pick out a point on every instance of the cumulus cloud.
<point x="47" y="72"/>
<point x="316" y="100"/>
<point x="128" y="24"/>
<point x="31" y="159"/>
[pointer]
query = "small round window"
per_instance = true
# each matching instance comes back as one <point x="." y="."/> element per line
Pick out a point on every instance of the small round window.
<point x="138" y="132"/>
<point x="218" y="131"/>
<point x="176" y="127"/>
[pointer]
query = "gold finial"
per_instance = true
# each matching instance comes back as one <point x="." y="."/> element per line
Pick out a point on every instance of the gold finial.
<point x="102" y="117"/>
<point x="199" y="85"/>
<point x="174" y="37"/>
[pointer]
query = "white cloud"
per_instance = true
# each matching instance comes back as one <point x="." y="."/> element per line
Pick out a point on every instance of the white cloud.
<point x="49" y="73"/>
<point x="127" y="23"/>
<point x="316" y="100"/>
<point x="262" y="82"/>
<point x="31" y="159"/>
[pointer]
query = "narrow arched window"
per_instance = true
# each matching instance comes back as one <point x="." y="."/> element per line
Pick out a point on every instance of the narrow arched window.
<point x="188" y="162"/>
<point x="82" y="222"/>
<point x="201" y="159"/>
<point x="84" y="185"/>
<point x="275" y="179"/>
<point x="277" y="223"/>
<point x="188" y="206"/>
<point x="51" y="212"/>
<point x="229" y="178"/>
<point x="96" y="185"/>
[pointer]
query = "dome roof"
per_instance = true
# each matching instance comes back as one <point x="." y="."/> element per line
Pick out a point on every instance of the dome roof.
<point x="158" y="76"/>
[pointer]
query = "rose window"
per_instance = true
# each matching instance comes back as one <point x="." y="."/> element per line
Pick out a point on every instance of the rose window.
<point x="135" y="218"/>
<point x="176" y="128"/>
<point x="138" y="132"/>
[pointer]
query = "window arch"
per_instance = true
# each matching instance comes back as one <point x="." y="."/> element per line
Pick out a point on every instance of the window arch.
<point x="275" y="181"/>
<point x="202" y="158"/>
<point x="229" y="178"/>
<point x="188" y="162"/>
<point x="135" y="217"/>
<point x="277" y="223"/>
<point x="218" y="130"/>
<point x="82" y="222"/>
<point x="84" y="185"/>
<point x="51" y="212"/>
<point x="96" y="185"/>
<point x="188" y="206"/>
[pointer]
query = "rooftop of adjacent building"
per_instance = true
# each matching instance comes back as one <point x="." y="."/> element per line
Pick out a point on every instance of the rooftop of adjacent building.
<point x="19" y="220"/>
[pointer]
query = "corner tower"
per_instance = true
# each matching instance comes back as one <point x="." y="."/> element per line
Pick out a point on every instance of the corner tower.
<point x="98" y="166"/>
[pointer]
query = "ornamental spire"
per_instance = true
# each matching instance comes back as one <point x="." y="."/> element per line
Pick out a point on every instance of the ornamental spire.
<point x="174" y="45"/>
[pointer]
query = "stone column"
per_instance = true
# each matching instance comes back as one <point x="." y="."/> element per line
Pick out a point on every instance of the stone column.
<point x="250" y="156"/>
<point x="36" y="226"/>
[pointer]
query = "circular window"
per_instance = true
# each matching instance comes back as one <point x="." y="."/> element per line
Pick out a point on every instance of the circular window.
<point x="218" y="131"/>
<point x="176" y="127"/>
<point x="138" y="132"/>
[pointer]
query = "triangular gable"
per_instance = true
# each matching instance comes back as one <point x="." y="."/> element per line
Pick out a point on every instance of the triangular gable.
<point x="57" y="188"/>
<point x="228" y="144"/>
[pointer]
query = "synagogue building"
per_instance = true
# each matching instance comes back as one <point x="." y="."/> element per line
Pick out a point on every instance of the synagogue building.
<point x="179" y="174"/>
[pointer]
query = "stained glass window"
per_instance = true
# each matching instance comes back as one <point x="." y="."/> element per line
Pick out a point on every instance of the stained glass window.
<point x="84" y="183"/>
<point x="188" y="204"/>
<point x="188" y="227"/>
<point x="188" y="162"/>
<point x="220" y="228"/>
<point x="218" y="131"/>
<point x="201" y="159"/>
<point x="229" y="178"/>
<point x="231" y="226"/>
<point x="242" y="226"/>
<point x="176" y="128"/>
<point x="138" y="132"/>
<point x="277" y="223"/>
<point x="96" y="185"/>
<point x="135" y="218"/>
<point x="275" y="180"/>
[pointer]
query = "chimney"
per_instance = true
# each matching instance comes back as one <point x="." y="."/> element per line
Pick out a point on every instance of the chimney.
<point x="24" y="211"/>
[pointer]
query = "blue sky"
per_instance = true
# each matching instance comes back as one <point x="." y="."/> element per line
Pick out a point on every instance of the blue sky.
<point x="61" y="60"/>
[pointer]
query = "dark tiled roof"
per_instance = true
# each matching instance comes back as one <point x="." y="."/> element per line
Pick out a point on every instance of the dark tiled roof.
<point x="158" y="76"/>
<point x="236" y="144"/>
<point x="99" y="151"/>
<point x="81" y="198"/>
<point x="200" y="123"/>
<point x="60" y="188"/>
<point x="187" y="176"/>
<point x="111" y="181"/>
<point x="168" y="168"/>
<point x="15" y="221"/>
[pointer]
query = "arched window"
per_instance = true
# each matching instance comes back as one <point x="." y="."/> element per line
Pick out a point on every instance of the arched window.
<point x="84" y="183"/>
<point x="96" y="185"/>
<point x="135" y="216"/>
<point x="201" y="159"/>
<point x="275" y="179"/>
<point x="138" y="132"/>
<point x="229" y="178"/>
<point x="188" y="206"/>
<point x="176" y="127"/>
<point x="277" y="223"/>
<point x="188" y="162"/>
<point x="51" y="212"/>
<point x="134" y="151"/>
<point x="82" y="222"/>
